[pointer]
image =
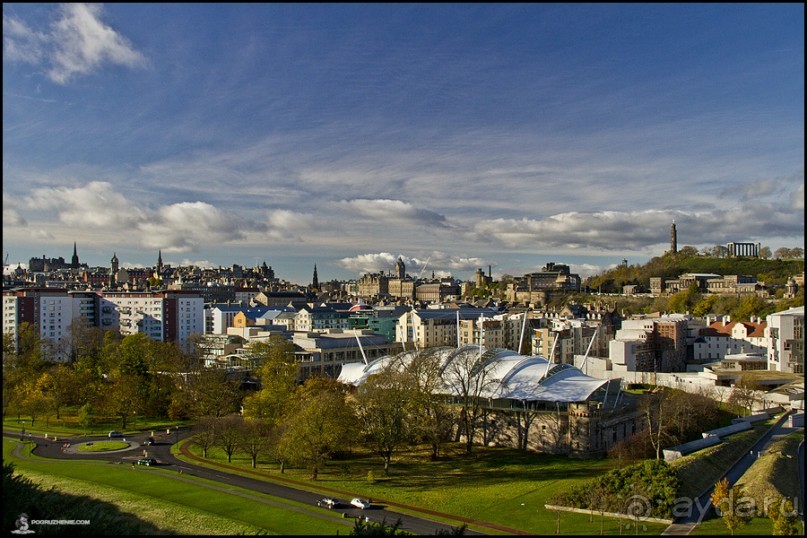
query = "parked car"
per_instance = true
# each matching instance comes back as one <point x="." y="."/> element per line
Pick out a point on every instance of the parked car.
<point x="147" y="461"/>
<point x="328" y="503"/>
<point x="115" y="434"/>
<point x="360" y="503"/>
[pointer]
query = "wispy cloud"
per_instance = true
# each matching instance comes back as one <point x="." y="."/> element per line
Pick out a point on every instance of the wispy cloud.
<point x="394" y="210"/>
<point x="78" y="43"/>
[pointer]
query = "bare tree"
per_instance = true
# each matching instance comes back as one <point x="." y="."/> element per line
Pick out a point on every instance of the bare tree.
<point x="467" y="375"/>
<point x="433" y="418"/>
<point x="228" y="434"/>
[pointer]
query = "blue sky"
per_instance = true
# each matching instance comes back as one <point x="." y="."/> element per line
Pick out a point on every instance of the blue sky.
<point x="456" y="136"/>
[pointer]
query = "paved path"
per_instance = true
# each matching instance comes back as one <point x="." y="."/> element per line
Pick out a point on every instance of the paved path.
<point x="703" y="504"/>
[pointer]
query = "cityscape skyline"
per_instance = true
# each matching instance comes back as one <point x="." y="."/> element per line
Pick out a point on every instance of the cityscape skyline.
<point x="454" y="136"/>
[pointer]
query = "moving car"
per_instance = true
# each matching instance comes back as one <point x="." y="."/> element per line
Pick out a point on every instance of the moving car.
<point x="360" y="503"/>
<point x="147" y="461"/>
<point x="148" y="442"/>
<point x="328" y="503"/>
<point x="115" y="434"/>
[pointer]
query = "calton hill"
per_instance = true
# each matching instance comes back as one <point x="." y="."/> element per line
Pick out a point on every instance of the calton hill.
<point x="391" y="440"/>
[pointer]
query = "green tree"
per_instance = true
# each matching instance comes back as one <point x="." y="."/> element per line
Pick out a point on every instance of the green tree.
<point x="382" y="406"/>
<point x="320" y="424"/>
<point x="432" y="418"/>
<point x="228" y="434"/>
<point x="784" y="518"/>
<point x="278" y="373"/>
<point x="255" y="439"/>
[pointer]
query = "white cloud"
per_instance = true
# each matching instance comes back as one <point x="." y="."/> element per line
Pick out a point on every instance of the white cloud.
<point x="20" y="43"/>
<point x="78" y="43"/>
<point x="11" y="217"/>
<point x="441" y="263"/>
<point x="185" y="226"/>
<point x="93" y="205"/>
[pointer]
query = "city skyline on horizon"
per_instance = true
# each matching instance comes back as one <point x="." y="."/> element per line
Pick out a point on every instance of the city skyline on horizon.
<point x="345" y="136"/>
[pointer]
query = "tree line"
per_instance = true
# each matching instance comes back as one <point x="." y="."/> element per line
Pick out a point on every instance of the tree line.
<point x="296" y="423"/>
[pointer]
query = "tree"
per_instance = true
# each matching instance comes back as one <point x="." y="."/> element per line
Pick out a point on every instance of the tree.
<point x="784" y="517"/>
<point x="254" y="439"/>
<point x="432" y="418"/>
<point x="212" y="393"/>
<point x="228" y="434"/>
<point x="765" y="253"/>
<point x="731" y="504"/>
<point x="206" y="438"/>
<point x="654" y="409"/>
<point x="745" y="395"/>
<point x="320" y="424"/>
<point x="278" y="374"/>
<point x="782" y="253"/>
<point x="382" y="405"/>
<point x="468" y="376"/>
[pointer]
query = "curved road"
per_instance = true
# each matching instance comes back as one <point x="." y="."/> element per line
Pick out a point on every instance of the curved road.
<point x="162" y="453"/>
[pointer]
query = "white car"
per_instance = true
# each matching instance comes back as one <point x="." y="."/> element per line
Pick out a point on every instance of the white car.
<point x="328" y="503"/>
<point x="360" y="503"/>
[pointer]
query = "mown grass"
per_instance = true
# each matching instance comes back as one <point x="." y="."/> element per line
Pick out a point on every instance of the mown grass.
<point x="207" y="507"/>
<point x="102" y="446"/>
<point x="500" y="486"/>
<point x="68" y="424"/>
<point x="759" y="526"/>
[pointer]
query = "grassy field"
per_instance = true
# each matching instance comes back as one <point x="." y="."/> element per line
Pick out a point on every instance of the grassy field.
<point x="69" y="425"/>
<point x="501" y="486"/>
<point x="173" y="504"/>
<point x="759" y="526"/>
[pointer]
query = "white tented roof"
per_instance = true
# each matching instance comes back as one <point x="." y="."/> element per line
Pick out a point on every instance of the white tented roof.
<point x="505" y="374"/>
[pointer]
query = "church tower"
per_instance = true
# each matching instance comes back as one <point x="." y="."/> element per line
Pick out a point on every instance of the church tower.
<point x="315" y="282"/>
<point x="401" y="268"/>
<point x="113" y="270"/>
<point x="159" y="264"/>
<point x="673" y="239"/>
<point x="74" y="262"/>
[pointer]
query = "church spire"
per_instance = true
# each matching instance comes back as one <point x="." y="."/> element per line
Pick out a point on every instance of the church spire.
<point x="74" y="262"/>
<point x="315" y="282"/>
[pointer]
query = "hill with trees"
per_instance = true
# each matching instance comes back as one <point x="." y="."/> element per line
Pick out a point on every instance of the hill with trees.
<point x="773" y="272"/>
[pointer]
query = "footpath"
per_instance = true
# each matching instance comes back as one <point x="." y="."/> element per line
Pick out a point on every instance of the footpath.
<point x="734" y="473"/>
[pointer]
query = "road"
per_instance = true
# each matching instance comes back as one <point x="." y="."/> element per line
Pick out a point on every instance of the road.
<point x="162" y="452"/>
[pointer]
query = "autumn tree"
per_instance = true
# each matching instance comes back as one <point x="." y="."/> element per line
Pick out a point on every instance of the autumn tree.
<point x="254" y="439"/>
<point x="278" y="373"/>
<point x="731" y="504"/>
<point x="319" y="424"/>
<point x="382" y="407"/>
<point x="228" y="434"/>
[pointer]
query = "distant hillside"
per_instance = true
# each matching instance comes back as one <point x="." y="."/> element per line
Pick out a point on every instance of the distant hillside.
<point x="774" y="273"/>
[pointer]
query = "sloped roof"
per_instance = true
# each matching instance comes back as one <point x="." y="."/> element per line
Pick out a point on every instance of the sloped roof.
<point x="507" y="375"/>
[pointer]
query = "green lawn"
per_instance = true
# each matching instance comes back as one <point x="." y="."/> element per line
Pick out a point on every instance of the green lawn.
<point x="758" y="526"/>
<point x="495" y="485"/>
<point x="101" y="446"/>
<point x="202" y="507"/>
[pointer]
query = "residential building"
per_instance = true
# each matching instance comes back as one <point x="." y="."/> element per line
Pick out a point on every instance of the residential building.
<point x="723" y="337"/>
<point x="785" y="331"/>
<point x="324" y="353"/>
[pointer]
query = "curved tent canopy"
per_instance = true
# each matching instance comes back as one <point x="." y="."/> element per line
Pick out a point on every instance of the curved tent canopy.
<point x="505" y="375"/>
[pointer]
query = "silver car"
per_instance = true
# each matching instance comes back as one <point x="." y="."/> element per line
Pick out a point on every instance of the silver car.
<point x="360" y="503"/>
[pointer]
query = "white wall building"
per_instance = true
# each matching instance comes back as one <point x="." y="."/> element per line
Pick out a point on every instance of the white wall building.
<point x="785" y="333"/>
